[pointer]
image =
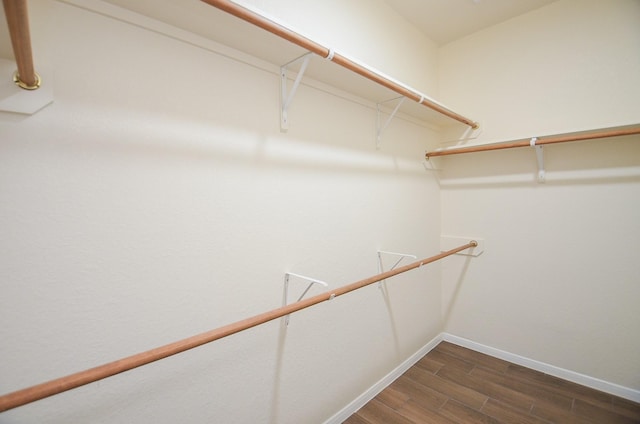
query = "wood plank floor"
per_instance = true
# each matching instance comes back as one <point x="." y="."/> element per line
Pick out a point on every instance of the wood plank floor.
<point x="455" y="385"/>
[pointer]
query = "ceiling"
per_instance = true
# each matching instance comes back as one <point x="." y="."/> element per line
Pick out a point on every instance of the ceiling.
<point x="444" y="21"/>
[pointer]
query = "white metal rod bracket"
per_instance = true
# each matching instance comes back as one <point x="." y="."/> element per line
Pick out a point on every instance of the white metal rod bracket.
<point x="285" y="299"/>
<point x="401" y="257"/>
<point x="380" y="127"/>
<point x="540" y="159"/>
<point x="287" y="97"/>
<point x="430" y="165"/>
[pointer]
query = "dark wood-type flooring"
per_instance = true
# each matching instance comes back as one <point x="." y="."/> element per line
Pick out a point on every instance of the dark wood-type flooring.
<point x="455" y="385"/>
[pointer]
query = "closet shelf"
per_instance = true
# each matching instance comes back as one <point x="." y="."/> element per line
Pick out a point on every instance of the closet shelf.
<point x="539" y="141"/>
<point x="245" y="34"/>
<point x="349" y="76"/>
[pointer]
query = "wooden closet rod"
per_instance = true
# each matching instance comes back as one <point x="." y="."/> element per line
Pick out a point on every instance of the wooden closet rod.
<point x="18" y="22"/>
<point x="307" y="44"/>
<point x="59" y="385"/>
<point x="611" y="132"/>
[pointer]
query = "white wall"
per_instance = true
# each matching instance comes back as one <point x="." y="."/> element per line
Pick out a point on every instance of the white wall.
<point x="558" y="281"/>
<point x="156" y="199"/>
<point x="365" y="30"/>
<point x="569" y="66"/>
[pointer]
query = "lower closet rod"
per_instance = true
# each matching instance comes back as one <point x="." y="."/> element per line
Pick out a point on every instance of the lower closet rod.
<point x="59" y="385"/>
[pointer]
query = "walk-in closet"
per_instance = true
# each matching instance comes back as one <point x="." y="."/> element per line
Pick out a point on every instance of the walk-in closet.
<point x="285" y="212"/>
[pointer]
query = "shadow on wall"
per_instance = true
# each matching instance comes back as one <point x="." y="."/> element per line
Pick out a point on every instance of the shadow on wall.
<point x="448" y="305"/>
<point x="150" y="137"/>
<point x="614" y="160"/>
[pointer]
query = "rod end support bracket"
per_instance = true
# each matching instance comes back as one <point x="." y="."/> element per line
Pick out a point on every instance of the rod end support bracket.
<point x="20" y="83"/>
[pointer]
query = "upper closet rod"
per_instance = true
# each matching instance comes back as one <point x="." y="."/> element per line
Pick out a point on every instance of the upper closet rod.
<point x="266" y="24"/>
<point x="53" y="387"/>
<point x="17" y="15"/>
<point x="538" y="141"/>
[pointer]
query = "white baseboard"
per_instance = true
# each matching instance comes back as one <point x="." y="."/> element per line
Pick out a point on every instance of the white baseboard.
<point x="585" y="380"/>
<point x="373" y="391"/>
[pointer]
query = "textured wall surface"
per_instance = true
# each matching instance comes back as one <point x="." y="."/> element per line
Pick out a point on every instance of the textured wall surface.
<point x="156" y="198"/>
<point x="559" y="279"/>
